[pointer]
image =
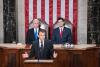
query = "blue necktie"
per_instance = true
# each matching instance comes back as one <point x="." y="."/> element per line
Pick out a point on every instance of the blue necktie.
<point x="36" y="34"/>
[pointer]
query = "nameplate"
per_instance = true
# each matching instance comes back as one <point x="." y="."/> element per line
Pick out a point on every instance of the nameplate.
<point x="84" y="46"/>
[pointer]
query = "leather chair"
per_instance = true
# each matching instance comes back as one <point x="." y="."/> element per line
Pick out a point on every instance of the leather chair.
<point x="43" y="25"/>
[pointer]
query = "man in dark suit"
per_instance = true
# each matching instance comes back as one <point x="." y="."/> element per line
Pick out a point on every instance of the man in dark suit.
<point x="42" y="48"/>
<point x="32" y="33"/>
<point x="61" y="34"/>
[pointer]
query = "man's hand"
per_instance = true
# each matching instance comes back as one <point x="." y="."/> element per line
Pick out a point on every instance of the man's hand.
<point x="28" y="46"/>
<point x="55" y="54"/>
<point x="25" y="55"/>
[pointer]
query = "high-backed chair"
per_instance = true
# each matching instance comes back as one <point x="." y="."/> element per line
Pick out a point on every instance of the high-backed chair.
<point x="43" y="25"/>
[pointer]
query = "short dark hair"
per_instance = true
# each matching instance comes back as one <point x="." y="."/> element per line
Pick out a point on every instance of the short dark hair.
<point x="43" y="31"/>
<point x="60" y="18"/>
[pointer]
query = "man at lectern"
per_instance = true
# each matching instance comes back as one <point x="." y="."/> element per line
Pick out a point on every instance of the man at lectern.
<point x="41" y="49"/>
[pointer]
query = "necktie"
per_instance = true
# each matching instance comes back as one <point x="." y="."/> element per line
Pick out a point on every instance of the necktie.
<point x="41" y="45"/>
<point x="61" y="31"/>
<point x="36" y="34"/>
<point x="41" y="50"/>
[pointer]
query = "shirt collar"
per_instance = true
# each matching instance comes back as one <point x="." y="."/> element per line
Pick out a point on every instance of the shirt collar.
<point x="36" y="29"/>
<point x="61" y="28"/>
<point x="40" y="43"/>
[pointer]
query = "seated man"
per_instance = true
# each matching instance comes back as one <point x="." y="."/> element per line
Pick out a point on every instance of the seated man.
<point x="61" y="34"/>
<point x="41" y="49"/>
<point x="32" y="33"/>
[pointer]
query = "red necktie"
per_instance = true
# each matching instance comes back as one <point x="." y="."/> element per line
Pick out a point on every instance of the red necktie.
<point x="61" y="31"/>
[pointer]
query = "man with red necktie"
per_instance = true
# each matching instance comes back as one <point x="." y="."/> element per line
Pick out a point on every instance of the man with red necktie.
<point x="61" y="34"/>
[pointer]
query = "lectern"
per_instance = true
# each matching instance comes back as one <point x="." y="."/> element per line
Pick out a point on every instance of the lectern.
<point x="38" y="63"/>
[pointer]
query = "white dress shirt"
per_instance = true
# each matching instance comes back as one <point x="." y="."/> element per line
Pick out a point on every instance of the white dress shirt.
<point x="36" y="29"/>
<point x="61" y="28"/>
<point x="40" y="43"/>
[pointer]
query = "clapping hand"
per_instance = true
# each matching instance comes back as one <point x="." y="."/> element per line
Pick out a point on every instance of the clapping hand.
<point x="25" y="55"/>
<point x="55" y="54"/>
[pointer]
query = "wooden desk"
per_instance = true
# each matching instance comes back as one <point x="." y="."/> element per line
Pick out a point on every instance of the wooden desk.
<point x="39" y="63"/>
<point x="11" y="56"/>
<point x="78" y="57"/>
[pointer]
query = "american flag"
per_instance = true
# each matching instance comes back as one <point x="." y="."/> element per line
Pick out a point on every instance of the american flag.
<point x="49" y="10"/>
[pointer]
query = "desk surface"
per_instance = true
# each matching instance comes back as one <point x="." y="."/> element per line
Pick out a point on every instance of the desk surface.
<point x="75" y="47"/>
<point x="12" y="46"/>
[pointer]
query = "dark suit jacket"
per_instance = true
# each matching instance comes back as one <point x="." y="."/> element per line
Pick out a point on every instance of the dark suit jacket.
<point x="47" y="50"/>
<point x="30" y="37"/>
<point x="66" y="36"/>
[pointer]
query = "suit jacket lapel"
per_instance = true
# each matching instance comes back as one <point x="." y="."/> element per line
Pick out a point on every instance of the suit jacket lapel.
<point x="58" y="32"/>
<point x="37" y="45"/>
<point x="45" y="44"/>
<point x="63" y="32"/>
<point x="33" y="34"/>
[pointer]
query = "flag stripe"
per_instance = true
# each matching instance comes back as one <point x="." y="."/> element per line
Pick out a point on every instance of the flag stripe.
<point x="30" y="10"/>
<point x="58" y="8"/>
<point x="63" y="8"/>
<point x="26" y="14"/>
<point x="66" y="9"/>
<point x="34" y="9"/>
<point x="43" y="9"/>
<point x="54" y="11"/>
<point x="47" y="11"/>
<point x="38" y="8"/>
<point x="51" y="16"/>
<point x="71" y="10"/>
<point x="75" y="17"/>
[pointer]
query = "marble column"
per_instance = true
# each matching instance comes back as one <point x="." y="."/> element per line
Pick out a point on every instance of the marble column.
<point x="20" y="20"/>
<point x="82" y="21"/>
<point x="1" y="22"/>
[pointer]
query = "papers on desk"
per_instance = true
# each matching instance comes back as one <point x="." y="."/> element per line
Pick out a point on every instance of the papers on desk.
<point x="38" y="61"/>
<point x="56" y="46"/>
<point x="84" y="46"/>
<point x="81" y="46"/>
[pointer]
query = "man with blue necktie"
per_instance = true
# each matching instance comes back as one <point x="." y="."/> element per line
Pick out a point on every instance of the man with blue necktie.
<point x="32" y="34"/>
